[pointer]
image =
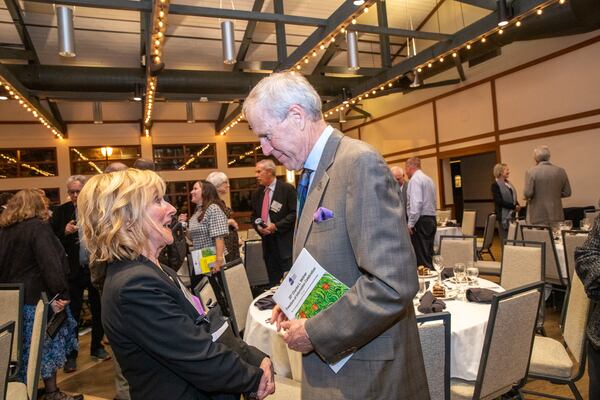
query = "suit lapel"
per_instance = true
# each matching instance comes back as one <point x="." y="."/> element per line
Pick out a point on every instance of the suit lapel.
<point x="316" y="191"/>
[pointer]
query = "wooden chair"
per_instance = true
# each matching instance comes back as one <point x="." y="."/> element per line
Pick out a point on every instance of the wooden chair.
<point x="7" y="332"/>
<point x="237" y="293"/>
<point x="507" y="345"/>
<point x="435" y="335"/>
<point x="468" y="222"/>
<point x="11" y="309"/>
<point x="255" y="263"/>
<point x="484" y="244"/>
<point x="19" y="390"/>
<point x="552" y="360"/>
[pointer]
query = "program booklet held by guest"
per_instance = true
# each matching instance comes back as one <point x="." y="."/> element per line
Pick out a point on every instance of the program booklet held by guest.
<point x="307" y="290"/>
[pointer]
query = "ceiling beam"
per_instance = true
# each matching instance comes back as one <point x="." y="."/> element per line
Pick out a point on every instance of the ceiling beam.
<point x="232" y="115"/>
<point x="400" y="32"/>
<point x="459" y="67"/>
<point x="7" y="53"/>
<point x="384" y="40"/>
<point x="363" y="71"/>
<point x="222" y="115"/>
<point x="248" y="34"/>
<point x="467" y="34"/>
<point x="280" y="39"/>
<point x="487" y="4"/>
<point x="340" y="15"/>
<point x="7" y="76"/>
<point x="362" y="112"/>
<point x="193" y="11"/>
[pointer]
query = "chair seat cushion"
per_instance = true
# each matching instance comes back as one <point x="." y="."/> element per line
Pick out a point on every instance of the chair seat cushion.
<point x="461" y="389"/>
<point x="489" y="267"/>
<point x="16" y="391"/>
<point x="549" y="357"/>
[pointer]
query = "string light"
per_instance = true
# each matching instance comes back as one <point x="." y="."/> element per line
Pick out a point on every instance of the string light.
<point x="518" y="23"/>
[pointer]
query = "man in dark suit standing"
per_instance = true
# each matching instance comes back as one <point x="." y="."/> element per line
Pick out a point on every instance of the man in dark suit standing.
<point x="275" y="203"/>
<point x="64" y="224"/>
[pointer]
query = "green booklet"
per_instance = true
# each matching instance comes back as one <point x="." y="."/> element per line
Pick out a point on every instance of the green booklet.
<point x="307" y="290"/>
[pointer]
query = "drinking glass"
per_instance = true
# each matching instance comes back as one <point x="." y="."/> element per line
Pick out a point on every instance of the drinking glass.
<point x="421" y="292"/>
<point x="460" y="276"/>
<point x="472" y="274"/>
<point x="438" y="264"/>
<point x="585" y="224"/>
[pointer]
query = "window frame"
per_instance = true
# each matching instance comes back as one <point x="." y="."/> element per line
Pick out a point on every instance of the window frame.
<point x="186" y="155"/>
<point x="33" y="164"/>
<point x="106" y="159"/>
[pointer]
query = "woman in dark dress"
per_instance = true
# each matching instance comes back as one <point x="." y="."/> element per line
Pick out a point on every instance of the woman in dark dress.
<point x="31" y="254"/>
<point x="154" y="324"/>
<point x="505" y="197"/>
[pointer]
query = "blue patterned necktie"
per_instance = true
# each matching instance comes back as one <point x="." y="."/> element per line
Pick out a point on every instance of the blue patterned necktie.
<point x="303" y="189"/>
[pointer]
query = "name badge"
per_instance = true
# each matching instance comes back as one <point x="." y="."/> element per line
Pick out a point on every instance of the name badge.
<point x="276" y="206"/>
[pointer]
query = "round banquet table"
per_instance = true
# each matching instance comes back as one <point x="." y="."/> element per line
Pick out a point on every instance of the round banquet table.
<point x="468" y="326"/>
<point x="445" y="231"/>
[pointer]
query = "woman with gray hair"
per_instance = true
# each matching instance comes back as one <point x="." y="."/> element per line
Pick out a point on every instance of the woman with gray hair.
<point x="505" y="196"/>
<point x="232" y="244"/>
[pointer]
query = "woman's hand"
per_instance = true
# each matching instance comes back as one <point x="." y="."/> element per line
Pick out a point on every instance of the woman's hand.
<point x="267" y="381"/>
<point x="218" y="265"/>
<point x="277" y="317"/>
<point x="182" y="217"/>
<point x="59" y="305"/>
<point x="233" y="223"/>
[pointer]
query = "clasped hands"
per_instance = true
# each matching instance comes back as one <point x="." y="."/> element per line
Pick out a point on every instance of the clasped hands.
<point x="294" y="334"/>
<point x="267" y="381"/>
<point x="269" y="230"/>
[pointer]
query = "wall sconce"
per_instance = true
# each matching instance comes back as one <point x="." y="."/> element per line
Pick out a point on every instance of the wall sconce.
<point x="106" y="151"/>
<point x="66" y="35"/>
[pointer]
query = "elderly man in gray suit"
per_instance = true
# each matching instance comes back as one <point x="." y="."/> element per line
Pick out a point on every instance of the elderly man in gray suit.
<point x="398" y="174"/>
<point x="364" y="243"/>
<point x="545" y="186"/>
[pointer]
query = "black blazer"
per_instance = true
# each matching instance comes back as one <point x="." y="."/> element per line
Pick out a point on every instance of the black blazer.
<point x="162" y="352"/>
<point x="60" y="218"/>
<point x="499" y="202"/>
<point x="284" y="219"/>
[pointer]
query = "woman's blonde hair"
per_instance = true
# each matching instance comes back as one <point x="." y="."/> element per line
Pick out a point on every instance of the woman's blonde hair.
<point x="25" y="204"/>
<point x="499" y="169"/>
<point x="111" y="213"/>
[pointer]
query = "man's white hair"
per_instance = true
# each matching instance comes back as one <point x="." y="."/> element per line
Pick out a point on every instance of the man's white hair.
<point x="276" y="93"/>
<point x="76" y="178"/>
<point x="541" y="153"/>
<point x="217" y="178"/>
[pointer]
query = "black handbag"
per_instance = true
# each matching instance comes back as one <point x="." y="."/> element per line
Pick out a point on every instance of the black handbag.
<point x="55" y="322"/>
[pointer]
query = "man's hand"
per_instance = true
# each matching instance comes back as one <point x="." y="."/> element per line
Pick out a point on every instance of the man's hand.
<point x="267" y="381"/>
<point x="411" y="230"/>
<point x="71" y="227"/>
<point x="295" y="335"/>
<point x="263" y="231"/>
<point x="233" y="223"/>
<point x="277" y="317"/>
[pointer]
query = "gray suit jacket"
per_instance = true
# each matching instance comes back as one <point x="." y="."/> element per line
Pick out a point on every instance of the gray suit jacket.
<point x="366" y="246"/>
<point x="545" y="185"/>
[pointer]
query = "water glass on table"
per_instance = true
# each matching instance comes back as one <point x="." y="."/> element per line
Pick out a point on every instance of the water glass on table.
<point x="438" y="264"/>
<point x="568" y="225"/>
<point x="472" y="274"/>
<point x="460" y="276"/>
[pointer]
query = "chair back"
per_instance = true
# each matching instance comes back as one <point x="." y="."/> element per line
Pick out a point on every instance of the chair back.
<point x="237" y="292"/>
<point x="435" y="335"/>
<point x="38" y="334"/>
<point x="508" y="341"/>
<point x="7" y="332"/>
<point x="522" y="263"/>
<point x="457" y="249"/>
<point x="443" y="214"/>
<point x="255" y="263"/>
<point x="512" y="231"/>
<point x="519" y="233"/>
<point x="488" y="233"/>
<point x="205" y="292"/>
<point x="11" y="309"/>
<point x="576" y="318"/>
<point x="572" y="240"/>
<point x="468" y="222"/>
<point x="591" y="216"/>
<point x="538" y="233"/>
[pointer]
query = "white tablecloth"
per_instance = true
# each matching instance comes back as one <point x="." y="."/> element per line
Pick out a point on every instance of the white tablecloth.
<point x="468" y="326"/>
<point x="263" y="335"/>
<point x="469" y="322"/>
<point x="445" y="231"/>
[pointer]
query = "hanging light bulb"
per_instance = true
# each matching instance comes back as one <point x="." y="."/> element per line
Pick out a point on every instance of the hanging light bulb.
<point x="503" y="13"/>
<point x="227" y="38"/>
<point x="66" y="35"/>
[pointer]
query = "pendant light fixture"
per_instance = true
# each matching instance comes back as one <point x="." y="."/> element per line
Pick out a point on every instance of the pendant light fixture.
<point x="66" y="35"/>
<point x="352" y="51"/>
<point x="189" y="109"/>
<point x="97" y="112"/>
<point x="228" y="41"/>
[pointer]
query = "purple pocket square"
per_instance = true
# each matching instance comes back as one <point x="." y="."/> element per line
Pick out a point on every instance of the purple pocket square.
<point x="322" y="214"/>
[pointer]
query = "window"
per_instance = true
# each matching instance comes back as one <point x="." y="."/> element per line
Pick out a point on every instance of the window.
<point x="26" y="163"/>
<point x="94" y="160"/>
<point x="245" y="155"/>
<point x="53" y="194"/>
<point x="178" y="194"/>
<point x="185" y="156"/>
